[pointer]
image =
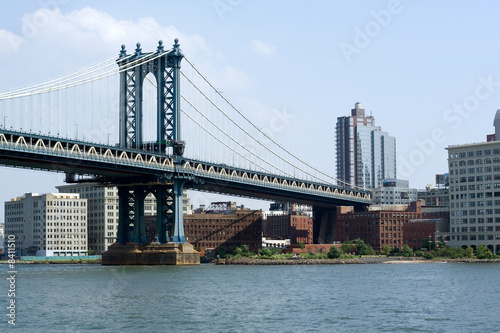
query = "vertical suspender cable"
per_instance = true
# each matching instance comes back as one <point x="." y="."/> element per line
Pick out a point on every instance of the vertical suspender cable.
<point x="98" y="108"/>
<point x="50" y="110"/>
<point x="83" y="111"/>
<point x="75" y="114"/>
<point x="58" y="112"/>
<point x="67" y="113"/>
<point x="91" y="111"/>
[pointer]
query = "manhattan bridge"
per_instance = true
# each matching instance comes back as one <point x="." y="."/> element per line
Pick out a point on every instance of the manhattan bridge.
<point x="143" y="124"/>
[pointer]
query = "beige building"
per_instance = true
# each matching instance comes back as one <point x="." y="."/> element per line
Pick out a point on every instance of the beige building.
<point x="52" y="224"/>
<point x="475" y="195"/>
<point x="103" y="212"/>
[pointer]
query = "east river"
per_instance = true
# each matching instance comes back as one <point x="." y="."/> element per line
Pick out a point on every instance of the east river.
<point x="411" y="297"/>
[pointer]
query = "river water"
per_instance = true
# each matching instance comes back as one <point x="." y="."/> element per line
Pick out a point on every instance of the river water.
<point x="428" y="297"/>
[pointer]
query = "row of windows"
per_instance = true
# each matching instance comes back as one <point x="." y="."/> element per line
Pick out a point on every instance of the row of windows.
<point x="486" y="152"/>
<point x="75" y="242"/>
<point x="472" y="179"/>
<point x="480" y="203"/>
<point x="474" y="220"/>
<point x="476" y="237"/>
<point x="66" y="231"/>
<point x="68" y="203"/>
<point x="479" y="161"/>
<point x="475" y="229"/>
<point x="473" y="212"/>
<point x="475" y="187"/>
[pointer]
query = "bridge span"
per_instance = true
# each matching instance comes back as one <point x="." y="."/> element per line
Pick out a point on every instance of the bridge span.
<point x="139" y="167"/>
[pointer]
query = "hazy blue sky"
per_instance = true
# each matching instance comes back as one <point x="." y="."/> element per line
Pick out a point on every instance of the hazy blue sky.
<point x="428" y="71"/>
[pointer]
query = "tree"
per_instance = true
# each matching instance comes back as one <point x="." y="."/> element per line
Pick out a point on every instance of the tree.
<point x="301" y="244"/>
<point x="245" y="251"/>
<point x="265" y="252"/>
<point x="386" y="249"/>
<point x="334" y="253"/>
<point x="469" y="251"/>
<point x="483" y="252"/>
<point x="407" y="252"/>
<point x="363" y="248"/>
<point x="348" y="247"/>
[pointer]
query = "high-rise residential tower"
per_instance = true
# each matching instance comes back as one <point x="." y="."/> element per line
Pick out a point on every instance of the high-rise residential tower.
<point x="365" y="154"/>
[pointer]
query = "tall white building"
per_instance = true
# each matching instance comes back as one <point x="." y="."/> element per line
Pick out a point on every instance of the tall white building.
<point x="365" y="154"/>
<point x="475" y="195"/>
<point x="52" y="224"/>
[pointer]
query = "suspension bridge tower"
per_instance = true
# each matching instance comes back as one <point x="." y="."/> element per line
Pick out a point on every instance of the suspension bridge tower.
<point x="132" y="246"/>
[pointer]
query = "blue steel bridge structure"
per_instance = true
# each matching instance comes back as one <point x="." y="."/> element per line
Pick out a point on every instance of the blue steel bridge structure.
<point x="131" y="138"/>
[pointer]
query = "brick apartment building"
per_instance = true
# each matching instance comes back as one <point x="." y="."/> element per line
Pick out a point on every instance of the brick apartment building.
<point x="230" y="229"/>
<point x="377" y="227"/>
<point x="415" y="232"/>
<point x="293" y="226"/>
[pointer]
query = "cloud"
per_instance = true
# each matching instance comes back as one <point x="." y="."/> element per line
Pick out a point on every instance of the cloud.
<point x="53" y="43"/>
<point x="264" y="48"/>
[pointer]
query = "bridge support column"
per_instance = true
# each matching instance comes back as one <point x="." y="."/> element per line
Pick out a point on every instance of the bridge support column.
<point x="125" y="213"/>
<point x="139" y="227"/>
<point x="324" y="226"/>
<point x="162" y="214"/>
<point x="178" y="236"/>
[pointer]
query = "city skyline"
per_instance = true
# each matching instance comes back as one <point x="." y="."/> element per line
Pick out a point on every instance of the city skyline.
<point x="399" y="59"/>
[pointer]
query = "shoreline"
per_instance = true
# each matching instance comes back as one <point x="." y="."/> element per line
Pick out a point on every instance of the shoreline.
<point x="367" y="260"/>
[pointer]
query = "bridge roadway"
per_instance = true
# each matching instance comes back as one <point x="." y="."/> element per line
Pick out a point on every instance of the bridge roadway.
<point x="114" y="166"/>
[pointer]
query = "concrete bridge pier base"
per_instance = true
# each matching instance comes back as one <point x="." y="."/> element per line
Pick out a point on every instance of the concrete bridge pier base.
<point x="152" y="254"/>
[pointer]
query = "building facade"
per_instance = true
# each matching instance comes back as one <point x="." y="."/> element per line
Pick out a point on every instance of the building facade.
<point x="103" y="212"/>
<point x="474" y="174"/>
<point x="394" y="192"/>
<point x="48" y="225"/>
<point x="298" y="227"/>
<point x="435" y="196"/>
<point x="418" y="231"/>
<point x="229" y="230"/>
<point x="381" y="225"/>
<point x="365" y="154"/>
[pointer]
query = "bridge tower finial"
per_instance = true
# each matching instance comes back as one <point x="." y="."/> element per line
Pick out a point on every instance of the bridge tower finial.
<point x="123" y="52"/>
<point x="138" y="50"/>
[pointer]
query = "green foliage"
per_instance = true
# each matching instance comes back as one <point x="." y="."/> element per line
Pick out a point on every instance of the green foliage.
<point x="386" y="250"/>
<point x="407" y="252"/>
<point x="313" y="256"/>
<point x="482" y="252"/>
<point x="363" y="248"/>
<point x="469" y="252"/>
<point x="395" y="251"/>
<point x="245" y="251"/>
<point x="265" y="252"/>
<point x="348" y="247"/>
<point x="334" y="252"/>
<point x="301" y="245"/>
